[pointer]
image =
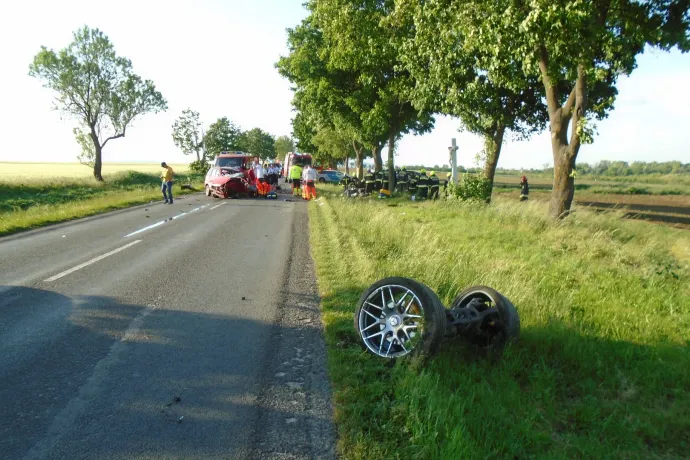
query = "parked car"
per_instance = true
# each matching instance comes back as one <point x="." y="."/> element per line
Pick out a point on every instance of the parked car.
<point x="330" y="176"/>
<point x="230" y="176"/>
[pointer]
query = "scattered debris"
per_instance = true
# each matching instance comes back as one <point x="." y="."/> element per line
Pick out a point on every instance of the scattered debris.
<point x="64" y="236"/>
<point x="280" y="374"/>
<point x="147" y="217"/>
<point x="244" y="298"/>
<point x="176" y="399"/>
<point x="291" y="420"/>
<point x="179" y="420"/>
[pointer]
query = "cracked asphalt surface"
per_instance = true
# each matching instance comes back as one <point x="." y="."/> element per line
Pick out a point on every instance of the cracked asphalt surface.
<point x="201" y="340"/>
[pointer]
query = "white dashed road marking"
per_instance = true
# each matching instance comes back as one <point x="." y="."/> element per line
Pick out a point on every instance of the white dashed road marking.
<point x="92" y="261"/>
<point x="218" y="205"/>
<point x="163" y="221"/>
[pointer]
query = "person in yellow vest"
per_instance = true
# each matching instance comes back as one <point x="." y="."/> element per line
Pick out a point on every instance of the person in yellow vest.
<point x="295" y="175"/>
<point x="166" y="187"/>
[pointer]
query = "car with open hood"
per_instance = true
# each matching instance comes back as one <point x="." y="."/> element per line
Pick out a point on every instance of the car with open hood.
<point x="230" y="176"/>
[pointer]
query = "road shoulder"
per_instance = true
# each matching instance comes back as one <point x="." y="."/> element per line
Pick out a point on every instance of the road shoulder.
<point x="297" y="416"/>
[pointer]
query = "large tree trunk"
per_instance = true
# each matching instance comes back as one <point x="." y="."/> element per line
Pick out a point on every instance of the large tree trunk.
<point x="347" y="165"/>
<point x="391" y="161"/>
<point x="493" y="147"/>
<point x="564" y="151"/>
<point x="97" y="161"/>
<point x="98" y="164"/>
<point x="378" y="161"/>
<point x="359" y="160"/>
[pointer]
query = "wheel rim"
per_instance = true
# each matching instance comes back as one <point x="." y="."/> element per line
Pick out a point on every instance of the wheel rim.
<point x="391" y="321"/>
<point x="492" y="331"/>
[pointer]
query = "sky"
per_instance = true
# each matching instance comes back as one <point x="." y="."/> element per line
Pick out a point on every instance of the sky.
<point x="217" y="57"/>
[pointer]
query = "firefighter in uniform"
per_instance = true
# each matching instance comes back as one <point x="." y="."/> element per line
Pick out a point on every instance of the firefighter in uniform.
<point x="434" y="185"/>
<point x="378" y="180"/>
<point x="384" y="180"/>
<point x="422" y="185"/>
<point x="369" y="181"/>
<point x="412" y="184"/>
<point x="401" y="182"/>
<point x="345" y="181"/>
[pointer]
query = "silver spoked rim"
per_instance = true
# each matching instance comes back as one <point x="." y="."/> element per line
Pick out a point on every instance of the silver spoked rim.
<point x="391" y="321"/>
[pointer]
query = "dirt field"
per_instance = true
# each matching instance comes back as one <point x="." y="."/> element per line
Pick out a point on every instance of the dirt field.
<point x="673" y="210"/>
<point x="12" y="171"/>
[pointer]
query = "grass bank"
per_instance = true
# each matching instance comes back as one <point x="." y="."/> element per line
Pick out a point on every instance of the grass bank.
<point x="35" y="203"/>
<point x="601" y="370"/>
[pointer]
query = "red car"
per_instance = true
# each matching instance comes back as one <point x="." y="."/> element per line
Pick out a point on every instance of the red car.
<point x="230" y="176"/>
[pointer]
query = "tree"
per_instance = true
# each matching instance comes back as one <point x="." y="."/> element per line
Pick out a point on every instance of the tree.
<point x="97" y="88"/>
<point x="333" y="146"/>
<point x="363" y="41"/>
<point x="222" y="136"/>
<point x="324" y="95"/>
<point x="283" y="145"/>
<point x="449" y="80"/>
<point x="187" y="135"/>
<point x="578" y="50"/>
<point x="258" y="142"/>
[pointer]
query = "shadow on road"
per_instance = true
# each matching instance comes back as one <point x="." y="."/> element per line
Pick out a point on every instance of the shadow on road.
<point x="79" y="381"/>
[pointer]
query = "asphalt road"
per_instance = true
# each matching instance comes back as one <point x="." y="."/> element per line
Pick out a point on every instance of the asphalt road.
<point x="183" y="331"/>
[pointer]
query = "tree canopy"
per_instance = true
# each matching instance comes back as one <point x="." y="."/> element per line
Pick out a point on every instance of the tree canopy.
<point x="577" y="50"/>
<point x="258" y="142"/>
<point x="283" y="145"/>
<point x="187" y="134"/>
<point x="222" y="136"/>
<point x="96" y="87"/>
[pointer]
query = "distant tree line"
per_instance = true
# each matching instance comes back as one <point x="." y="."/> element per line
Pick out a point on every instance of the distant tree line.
<point x="223" y="135"/>
<point x="614" y="168"/>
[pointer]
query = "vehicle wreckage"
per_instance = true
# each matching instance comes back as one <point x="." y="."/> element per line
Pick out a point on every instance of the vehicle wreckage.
<point x="397" y="317"/>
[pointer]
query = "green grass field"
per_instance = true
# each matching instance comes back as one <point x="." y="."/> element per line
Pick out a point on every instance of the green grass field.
<point x="601" y="370"/>
<point x="36" y="196"/>
<point x="17" y="171"/>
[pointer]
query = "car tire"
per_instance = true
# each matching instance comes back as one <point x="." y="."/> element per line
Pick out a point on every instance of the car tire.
<point x="507" y="313"/>
<point x="380" y="323"/>
<point x="322" y="180"/>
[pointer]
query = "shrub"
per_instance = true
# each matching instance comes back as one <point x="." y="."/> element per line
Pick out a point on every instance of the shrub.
<point x="470" y="187"/>
<point x="199" y="166"/>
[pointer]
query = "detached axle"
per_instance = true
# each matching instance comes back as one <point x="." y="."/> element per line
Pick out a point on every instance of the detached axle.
<point x="396" y="317"/>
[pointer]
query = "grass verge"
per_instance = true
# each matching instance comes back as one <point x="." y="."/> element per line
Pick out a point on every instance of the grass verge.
<point x="32" y="204"/>
<point x="601" y="370"/>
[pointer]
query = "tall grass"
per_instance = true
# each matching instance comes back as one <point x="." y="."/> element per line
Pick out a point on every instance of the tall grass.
<point x="35" y="203"/>
<point x="601" y="370"/>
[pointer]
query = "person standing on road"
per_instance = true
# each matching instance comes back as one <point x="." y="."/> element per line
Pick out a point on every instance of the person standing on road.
<point x="166" y="187"/>
<point x="260" y="176"/>
<point x="309" y="181"/>
<point x="295" y="175"/>
<point x="273" y="177"/>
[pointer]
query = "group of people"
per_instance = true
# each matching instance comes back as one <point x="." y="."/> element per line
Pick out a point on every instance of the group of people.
<point x="265" y="177"/>
<point x="303" y="181"/>
<point x="418" y="184"/>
